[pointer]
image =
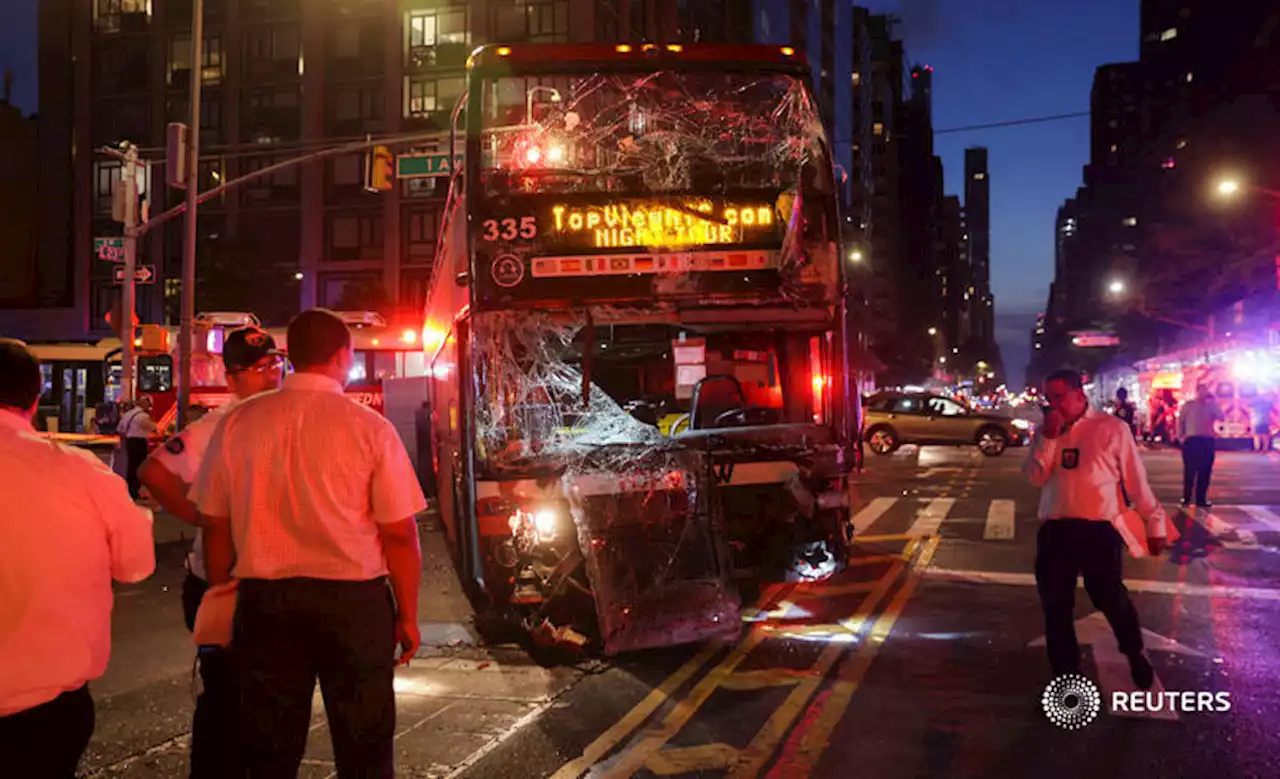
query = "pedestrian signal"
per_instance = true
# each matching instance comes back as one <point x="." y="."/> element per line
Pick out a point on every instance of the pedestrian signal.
<point x="380" y="174"/>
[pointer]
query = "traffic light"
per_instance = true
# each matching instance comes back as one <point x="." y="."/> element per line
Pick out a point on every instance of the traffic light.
<point x="380" y="173"/>
<point x="155" y="338"/>
<point x="175" y="156"/>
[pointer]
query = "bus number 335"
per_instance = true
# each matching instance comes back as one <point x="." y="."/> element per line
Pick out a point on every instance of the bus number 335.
<point x="510" y="229"/>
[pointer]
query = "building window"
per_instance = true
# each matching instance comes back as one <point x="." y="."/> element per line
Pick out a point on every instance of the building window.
<point x="278" y="185"/>
<point x="421" y="230"/>
<point x="414" y="285"/>
<point x="535" y="21"/>
<point x="270" y="51"/>
<point x="358" y="108"/>
<point x="346" y="42"/>
<point x="878" y="128"/>
<point x="438" y="26"/>
<point x="1169" y="34"/>
<point x="1131" y="221"/>
<point x="117" y="15"/>
<point x="179" y="71"/>
<point x="353" y="237"/>
<point x="1114" y="148"/>
<point x="347" y="171"/>
<point x="425" y="95"/>
<point x="857" y="78"/>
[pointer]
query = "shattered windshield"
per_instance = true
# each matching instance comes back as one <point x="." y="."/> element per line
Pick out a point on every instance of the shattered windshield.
<point x="578" y="392"/>
<point x="657" y="133"/>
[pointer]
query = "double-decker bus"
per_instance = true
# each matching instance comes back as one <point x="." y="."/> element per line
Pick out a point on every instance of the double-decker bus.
<point x="634" y="341"/>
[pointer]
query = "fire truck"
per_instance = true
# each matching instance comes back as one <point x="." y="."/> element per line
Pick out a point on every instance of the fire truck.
<point x="634" y="340"/>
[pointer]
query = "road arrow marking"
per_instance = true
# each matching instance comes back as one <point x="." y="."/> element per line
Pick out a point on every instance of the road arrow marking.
<point x="999" y="521"/>
<point x="930" y="517"/>
<point x="1113" y="667"/>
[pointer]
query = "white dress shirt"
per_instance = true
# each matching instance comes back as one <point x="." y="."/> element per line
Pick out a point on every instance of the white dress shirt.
<point x="306" y="475"/>
<point x="182" y="455"/>
<point x="1080" y="473"/>
<point x="1198" y="417"/>
<point x="67" y="528"/>
<point x="136" y="423"/>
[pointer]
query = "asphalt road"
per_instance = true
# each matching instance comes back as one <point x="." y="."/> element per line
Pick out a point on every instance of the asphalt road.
<point x="920" y="660"/>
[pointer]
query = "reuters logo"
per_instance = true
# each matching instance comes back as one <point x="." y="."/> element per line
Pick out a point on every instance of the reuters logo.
<point x="1071" y="701"/>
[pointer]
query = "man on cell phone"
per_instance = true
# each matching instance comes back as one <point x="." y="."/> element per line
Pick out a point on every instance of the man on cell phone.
<point x="1083" y="461"/>
<point x="253" y="366"/>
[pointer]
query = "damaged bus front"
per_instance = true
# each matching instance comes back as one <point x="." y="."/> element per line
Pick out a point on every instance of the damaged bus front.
<point x="634" y="326"/>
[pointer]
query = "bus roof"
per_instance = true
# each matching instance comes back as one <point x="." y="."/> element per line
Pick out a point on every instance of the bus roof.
<point x="556" y="56"/>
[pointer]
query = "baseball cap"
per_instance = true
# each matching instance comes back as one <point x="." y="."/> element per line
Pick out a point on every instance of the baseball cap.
<point x="244" y="347"/>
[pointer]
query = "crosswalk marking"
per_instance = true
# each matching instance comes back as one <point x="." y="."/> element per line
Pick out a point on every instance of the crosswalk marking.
<point x="867" y="516"/>
<point x="1263" y="515"/>
<point x="929" y="520"/>
<point x="999" y="521"/>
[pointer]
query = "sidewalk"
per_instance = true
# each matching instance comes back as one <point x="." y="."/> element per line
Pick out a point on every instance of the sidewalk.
<point x="455" y="703"/>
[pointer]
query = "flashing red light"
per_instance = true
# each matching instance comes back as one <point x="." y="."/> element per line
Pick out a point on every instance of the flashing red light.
<point x="533" y="155"/>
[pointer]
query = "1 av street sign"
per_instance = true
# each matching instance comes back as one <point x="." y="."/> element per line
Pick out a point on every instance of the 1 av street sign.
<point x="143" y="274"/>
<point x="109" y="249"/>
<point x="424" y="166"/>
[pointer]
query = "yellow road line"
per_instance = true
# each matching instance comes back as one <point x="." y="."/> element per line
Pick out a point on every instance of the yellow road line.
<point x="687" y="760"/>
<point x="766" y="741"/>
<point x="814" y="741"/>
<point x="634" y="718"/>
<point x="882" y="539"/>
<point x="638" y="755"/>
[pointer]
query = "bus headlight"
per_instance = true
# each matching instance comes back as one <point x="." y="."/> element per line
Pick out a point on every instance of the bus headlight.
<point x="1021" y="424"/>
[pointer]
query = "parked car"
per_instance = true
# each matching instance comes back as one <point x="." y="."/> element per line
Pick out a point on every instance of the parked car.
<point x="894" y="419"/>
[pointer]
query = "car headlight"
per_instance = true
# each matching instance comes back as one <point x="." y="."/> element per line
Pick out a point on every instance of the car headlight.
<point x="1022" y="424"/>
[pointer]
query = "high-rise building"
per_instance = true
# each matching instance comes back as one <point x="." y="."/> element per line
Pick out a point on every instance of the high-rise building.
<point x="977" y="216"/>
<point x="19" y="198"/>
<point x="280" y="78"/>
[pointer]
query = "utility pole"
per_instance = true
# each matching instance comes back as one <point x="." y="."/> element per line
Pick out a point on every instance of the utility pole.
<point x="124" y="209"/>
<point x="188" y="312"/>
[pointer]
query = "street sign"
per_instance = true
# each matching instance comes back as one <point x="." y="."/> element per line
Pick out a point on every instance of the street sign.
<point x="424" y="166"/>
<point x="143" y="274"/>
<point x="1092" y="339"/>
<point x="109" y="249"/>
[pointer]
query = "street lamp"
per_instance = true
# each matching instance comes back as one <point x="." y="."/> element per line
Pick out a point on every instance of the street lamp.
<point x="1116" y="287"/>
<point x="855" y="256"/>
<point x="933" y="331"/>
<point x="1228" y="187"/>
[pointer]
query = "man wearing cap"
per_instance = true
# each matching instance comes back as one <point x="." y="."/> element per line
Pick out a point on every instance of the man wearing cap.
<point x="310" y="502"/>
<point x="253" y="365"/>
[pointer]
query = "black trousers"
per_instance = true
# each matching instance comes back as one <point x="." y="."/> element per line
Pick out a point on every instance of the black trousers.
<point x="1065" y="549"/>
<point x="217" y="746"/>
<point x="290" y="632"/>
<point x="47" y="741"/>
<point x="1198" y="454"/>
<point x="135" y="452"/>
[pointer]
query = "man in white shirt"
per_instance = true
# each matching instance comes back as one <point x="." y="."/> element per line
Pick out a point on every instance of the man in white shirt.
<point x="253" y="365"/>
<point x="67" y="528"/>
<point x="136" y="428"/>
<point x="1196" y="430"/>
<point x="309" y="501"/>
<point x="1083" y="461"/>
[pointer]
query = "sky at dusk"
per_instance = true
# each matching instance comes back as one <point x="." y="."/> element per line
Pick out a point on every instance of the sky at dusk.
<point x="994" y="60"/>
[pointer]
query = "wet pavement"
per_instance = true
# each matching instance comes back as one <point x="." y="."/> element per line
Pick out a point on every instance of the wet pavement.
<point x="919" y="660"/>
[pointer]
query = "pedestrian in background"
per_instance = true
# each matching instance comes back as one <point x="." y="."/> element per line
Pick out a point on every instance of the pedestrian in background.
<point x="1080" y="459"/>
<point x="253" y="366"/>
<point x="136" y="428"/>
<point x="310" y="502"/>
<point x="67" y="529"/>
<point x="1197" y="423"/>
<point x="1126" y="411"/>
